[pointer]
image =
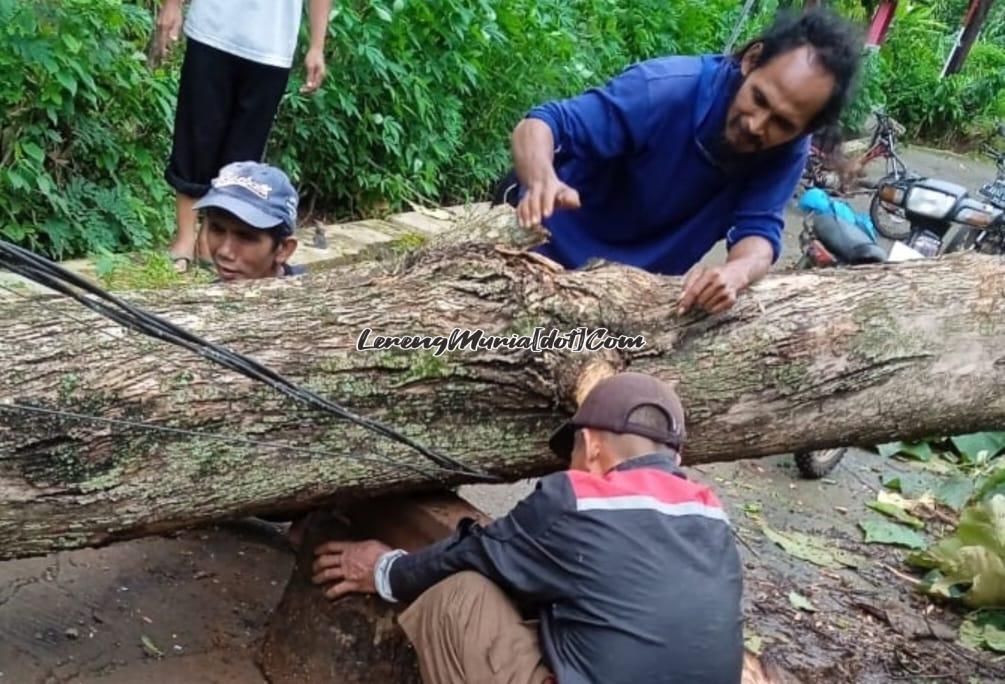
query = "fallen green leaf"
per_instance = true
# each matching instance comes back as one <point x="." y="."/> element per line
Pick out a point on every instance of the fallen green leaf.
<point x="753" y="642"/>
<point x="980" y="446"/>
<point x="820" y="552"/>
<point x="921" y="451"/>
<point x="884" y="532"/>
<point x="897" y="513"/>
<point x="955" y="492"/>
<point x="800" y="602"/>
<point x="910" y="485"/>
<point x="889" y="449"/>
<point x="150" y="647"/>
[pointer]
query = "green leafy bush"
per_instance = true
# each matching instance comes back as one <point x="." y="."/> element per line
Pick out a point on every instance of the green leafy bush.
<point x="940" y="109"/>
<point x="420" y="98"/>
<point x="419" y="102"/>
<point x="85" y="128"/>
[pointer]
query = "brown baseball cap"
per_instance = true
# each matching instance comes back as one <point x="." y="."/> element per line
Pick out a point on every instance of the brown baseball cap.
<point x="612" y="401"/>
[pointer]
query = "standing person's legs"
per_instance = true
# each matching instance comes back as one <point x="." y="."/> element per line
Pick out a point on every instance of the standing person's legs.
<point x="260" y="88"/>
<point x="465" y="629"/>
<point x="205" y="108"/>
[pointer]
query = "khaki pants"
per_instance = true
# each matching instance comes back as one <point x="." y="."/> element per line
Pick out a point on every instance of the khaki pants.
<point x="465" y="630"/>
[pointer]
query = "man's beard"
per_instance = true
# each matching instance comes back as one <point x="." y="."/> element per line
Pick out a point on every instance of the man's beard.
<point x="725" y="152"/>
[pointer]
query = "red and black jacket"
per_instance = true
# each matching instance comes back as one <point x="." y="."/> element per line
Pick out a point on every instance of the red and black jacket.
<point x="634" y="575"/>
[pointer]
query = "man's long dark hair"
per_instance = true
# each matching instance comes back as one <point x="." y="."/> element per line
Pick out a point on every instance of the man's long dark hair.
<point x="836" y="43"/>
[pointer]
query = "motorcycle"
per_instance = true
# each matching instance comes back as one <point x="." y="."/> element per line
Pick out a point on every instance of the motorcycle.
<point x="930" y="207"/>
<point x="990" y="240"/>
<point x="895" y="220"/>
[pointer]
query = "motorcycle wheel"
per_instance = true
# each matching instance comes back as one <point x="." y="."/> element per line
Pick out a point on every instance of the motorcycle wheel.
<point x="813" y="465"/>
<point x="883" y="215"/>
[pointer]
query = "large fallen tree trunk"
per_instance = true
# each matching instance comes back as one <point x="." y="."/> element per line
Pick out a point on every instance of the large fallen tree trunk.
<point x="805" y="360"/>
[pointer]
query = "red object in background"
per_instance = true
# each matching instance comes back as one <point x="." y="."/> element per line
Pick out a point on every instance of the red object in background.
<point x="881" y="21"/>
<point x="973" y="22"/>
<point x="819" y="255"/>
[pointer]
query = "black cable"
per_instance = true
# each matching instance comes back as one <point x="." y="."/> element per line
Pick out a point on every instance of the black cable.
<point x="46" y="273"/>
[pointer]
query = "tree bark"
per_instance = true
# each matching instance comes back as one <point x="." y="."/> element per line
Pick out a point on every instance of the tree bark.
<point x="805" y="360"/>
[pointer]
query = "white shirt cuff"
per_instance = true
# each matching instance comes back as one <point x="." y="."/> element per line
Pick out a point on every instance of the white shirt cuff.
<point x="382" y="574"/>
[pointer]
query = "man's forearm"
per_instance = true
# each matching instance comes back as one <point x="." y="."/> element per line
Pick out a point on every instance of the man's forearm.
<point x="319" y="11"/>
<point x="533" y="150"/>
<point x="750" y="259"/>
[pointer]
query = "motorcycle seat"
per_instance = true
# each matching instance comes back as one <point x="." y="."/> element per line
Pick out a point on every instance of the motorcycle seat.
<point x="847" y="242"/>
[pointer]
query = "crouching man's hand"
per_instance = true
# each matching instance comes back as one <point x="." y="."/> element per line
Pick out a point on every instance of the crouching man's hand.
<point x="347" y="567"/>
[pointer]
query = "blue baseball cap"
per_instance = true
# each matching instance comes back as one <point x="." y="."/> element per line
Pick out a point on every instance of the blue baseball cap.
<point x="258" y="194"/>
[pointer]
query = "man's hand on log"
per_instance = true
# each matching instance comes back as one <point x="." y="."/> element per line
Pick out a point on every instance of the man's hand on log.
<point x="347" y="566"/>
<point x="712" y="289"/>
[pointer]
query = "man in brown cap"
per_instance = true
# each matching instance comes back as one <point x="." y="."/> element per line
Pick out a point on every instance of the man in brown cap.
<point x="629" y="569"/>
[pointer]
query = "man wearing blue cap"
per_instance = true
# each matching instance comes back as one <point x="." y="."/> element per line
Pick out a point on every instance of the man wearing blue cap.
<point x="250" y="216"/>
<point x="237" y="63"/>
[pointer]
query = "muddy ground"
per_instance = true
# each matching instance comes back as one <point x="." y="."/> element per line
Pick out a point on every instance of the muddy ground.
<point x="191" y="608"/>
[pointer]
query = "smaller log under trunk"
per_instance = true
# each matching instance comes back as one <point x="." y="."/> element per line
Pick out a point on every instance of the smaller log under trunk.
<point x="356" y="639"/>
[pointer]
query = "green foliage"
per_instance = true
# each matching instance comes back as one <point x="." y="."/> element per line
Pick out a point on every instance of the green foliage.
<point x="939" y="109"/>
<point x="146" y="270"/>
<point x="85" y="127"/>
<point x="420" y="98"/>
<point x="870" y="95"/>
<point x="984" y="629"/>
<point x="970" y="451"/>
<point x="969" y="564"/>
<point x="418" y="105"/>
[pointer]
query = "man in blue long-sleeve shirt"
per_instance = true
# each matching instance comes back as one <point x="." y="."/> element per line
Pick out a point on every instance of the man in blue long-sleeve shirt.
<point x="677" y="153"/>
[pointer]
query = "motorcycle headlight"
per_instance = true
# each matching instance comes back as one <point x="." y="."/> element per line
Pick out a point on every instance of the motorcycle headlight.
<point x="930" y="203"/>
<point x="892" y="194"/>
<point x="976" y="217"/>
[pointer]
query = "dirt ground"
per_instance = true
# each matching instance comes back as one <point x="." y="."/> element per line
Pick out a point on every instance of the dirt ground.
<point x="190" y="608"/>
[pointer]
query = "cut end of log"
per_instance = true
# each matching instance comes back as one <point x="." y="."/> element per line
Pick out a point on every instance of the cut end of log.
<point x="593" y="372"/>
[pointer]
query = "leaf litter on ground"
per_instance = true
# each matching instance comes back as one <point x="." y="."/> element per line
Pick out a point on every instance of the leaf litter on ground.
<point x="886" y="532"/>
<point x="818" y="551"/>
<point x="150" y="647"/>
<point x="921" y="451"/>
<point x="753" y="642"/>
<point x="978" y="447"/>
<point x="800" y="602"/>
<point x="895" y="510"/>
